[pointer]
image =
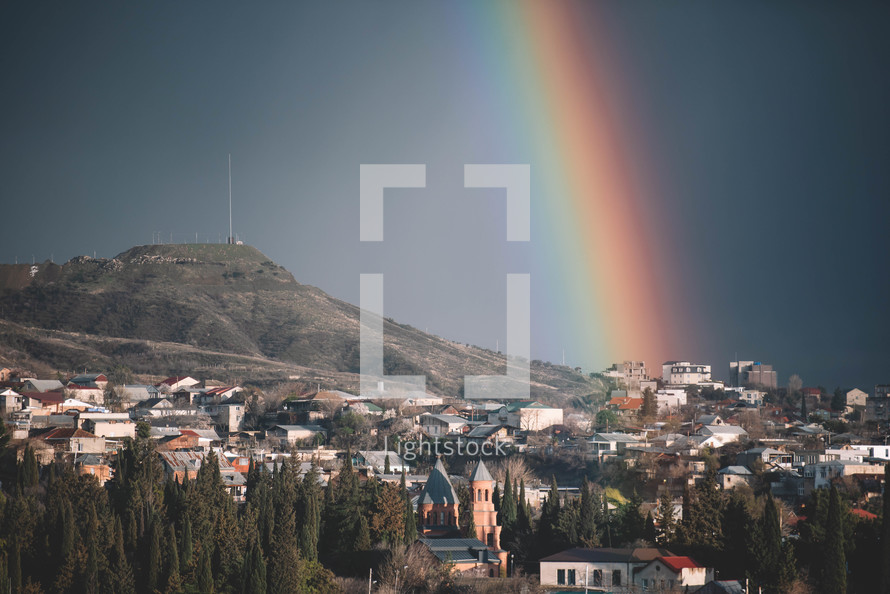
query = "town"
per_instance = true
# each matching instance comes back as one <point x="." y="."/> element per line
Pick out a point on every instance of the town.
<point x="667" y="481"/>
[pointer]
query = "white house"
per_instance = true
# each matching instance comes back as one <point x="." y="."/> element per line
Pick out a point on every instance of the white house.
<point x="441" y="425"/>
<point x="670" y="399"/>
<point x="733" y="476"/>
<point x="724" y="433"/>
<point x="527" y="415"/>
<point x="670" y="573"/>
<point x="597" y="568"/>
<point x="684" y="373"/>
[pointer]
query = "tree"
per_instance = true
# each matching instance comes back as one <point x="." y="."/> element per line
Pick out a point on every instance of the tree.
<point x="254" y="574"/>
<point x="589" y="517"/>
<point x="388" y="516"/>
<point x="606" y="417"/>
<point x="666" y="522"/>
<point x="205" y="572"/>
<point x="507" y="514"/>
<point x="885" y="536"/>
<point x="834" y="577"/>
<point x="649" y="409"/>
<point x="152" y="575"/>
<point x="839" y="400"/>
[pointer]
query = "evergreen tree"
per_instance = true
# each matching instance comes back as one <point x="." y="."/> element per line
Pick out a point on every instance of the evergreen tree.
<point x="309" y="528"/>
<point x="767" y="554"/>
<point x="496" y="495"/>
<point x="523" y="512"/>
<point x="589" y="514"/>
<point x="205" y="572"/>
<point x="15" y="567"/>
<point x="649" y="408"/>
<point x="254" y="574"/>
<point x="172" y="572"/>
<point x="91" y="571"/>
<point x="188" y="551"/>
<point x="666" y="522"/>
<point x="885" y="535"/>
<point x="508" y="513"/>
<point x="410" y="522"/>
<point x="649" y="531"/>
<point x="386" y="468"/>
<point x="153" y="571"/>
<point x="363" y="535"/>
<point x="834" y="578"/>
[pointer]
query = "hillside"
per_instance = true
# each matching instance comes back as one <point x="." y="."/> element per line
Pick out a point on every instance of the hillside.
<point x="173" y="308"/>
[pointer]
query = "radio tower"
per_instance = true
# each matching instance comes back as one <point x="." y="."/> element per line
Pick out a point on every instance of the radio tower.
<point x="231" y="237"/>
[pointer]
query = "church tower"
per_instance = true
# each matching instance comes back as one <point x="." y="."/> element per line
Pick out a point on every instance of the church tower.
<point x="484" y="515"/>
<point x="438" y="504"/>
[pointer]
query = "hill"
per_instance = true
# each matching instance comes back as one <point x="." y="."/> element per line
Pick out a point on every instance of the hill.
<point x="229" y="308"/>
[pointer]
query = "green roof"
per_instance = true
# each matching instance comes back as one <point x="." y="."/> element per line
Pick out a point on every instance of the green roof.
<point x="438" y="488"/>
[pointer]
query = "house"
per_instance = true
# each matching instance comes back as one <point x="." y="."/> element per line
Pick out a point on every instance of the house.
<point x="769" y="456"/>
<point x="10" y="401"/>
<point x="288" y="434"/>
<point x="228" y="416"/>
<point x="820" y="474"/>
<point x="684" y="373"/>
<point x="855" y="397"/>
<point x="724" y="433"/>
<point x="72" y="440"/>
<point x="377" y="461"/>
<point x="527" y="415"/>
<point x="89" y="380"/>
<point x="710" y="420"/>
<point x="441" y="425"/>
<point x="138" y="392"/>
<point x="172" y="384"/>
<point x="39" y="385"/>
<point x="93" y="465"/>
<point x="671" y="572"/>
<point x="597" y="568"/>
<point x="733" y="476"/>
<point x="179" y="465"/>
<point x="670" y="399"/>
<point x="43" y="403"/>
<point x="625" y="405"/>
<point x="468" y="556"/>
<point x="611" y="444"/>
<point x="110" y="428"/>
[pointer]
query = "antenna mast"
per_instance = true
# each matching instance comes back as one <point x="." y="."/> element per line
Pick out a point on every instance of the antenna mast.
<point x="231" y="240"/>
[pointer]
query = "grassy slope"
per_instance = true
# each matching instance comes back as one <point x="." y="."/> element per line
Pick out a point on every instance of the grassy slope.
<point x="180" y="307"/>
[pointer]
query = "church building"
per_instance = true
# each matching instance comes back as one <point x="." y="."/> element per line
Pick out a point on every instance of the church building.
<point x="438" y="512"/>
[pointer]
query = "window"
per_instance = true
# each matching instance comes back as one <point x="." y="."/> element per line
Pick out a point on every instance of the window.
<point x="441" y="518"/>
<point x="486" y="494"/>
<point x="478" y="494"/>
<point x="616" y="577"/>
<point x="561" y="577"/>
<point x="597" y="577"/>
<point x="570" y="577"/>
<point x="491" y="539"/>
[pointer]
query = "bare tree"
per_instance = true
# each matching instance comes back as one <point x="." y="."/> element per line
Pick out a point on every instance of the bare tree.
<point x="516" y="465"/>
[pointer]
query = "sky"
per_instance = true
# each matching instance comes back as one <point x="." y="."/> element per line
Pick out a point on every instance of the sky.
<point x="709" y="179"/>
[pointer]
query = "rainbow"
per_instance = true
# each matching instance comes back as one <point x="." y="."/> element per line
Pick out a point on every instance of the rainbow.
<point x="597" y="241"/>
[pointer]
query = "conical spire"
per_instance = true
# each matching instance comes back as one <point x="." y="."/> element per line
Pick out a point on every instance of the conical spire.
<point x="438" y="488"/>
<point x="480" y="473"/>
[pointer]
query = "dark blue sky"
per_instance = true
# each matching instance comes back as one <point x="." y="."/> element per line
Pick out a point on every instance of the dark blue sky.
<point x="768" y="123"/>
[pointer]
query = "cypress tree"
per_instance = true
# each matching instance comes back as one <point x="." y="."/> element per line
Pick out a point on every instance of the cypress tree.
<point x="153" y="571"/>
<point x="496" y="494"/>
<point x="523" y="512"/>
<point x="587" y="531"/>
<point x="386" y="468"/>
<point x="508" y="514"/>
<point x="834" y="580"/>
<point x="363" y="535"/>
<point x="172" y="572"/>
<point x="649" y="530"/>
<point x="309" y="527"/>
<point x="254" y="575"/>
<point x="885" y="534"/>
<point x="666" y="521"/>
<point x="91" y="571"/>
<point x="15" y="567"/>
<point x="188" y="551"/>
<point x="410" y="522"/>
<point x="205" y="572"/>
